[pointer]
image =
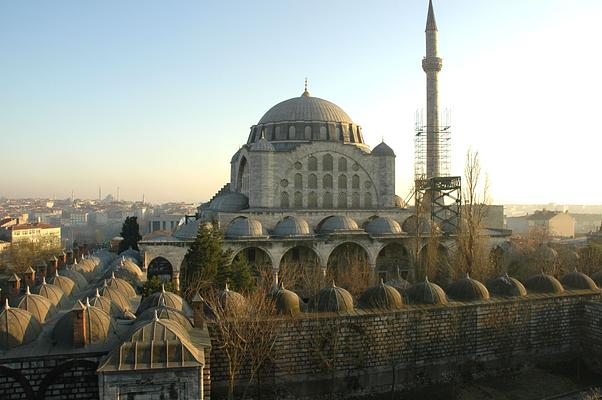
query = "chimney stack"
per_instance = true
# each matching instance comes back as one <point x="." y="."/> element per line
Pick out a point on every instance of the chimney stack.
<point x="75" y="253"/>
<point x="14" y="286"/>
<point x="198" y="311"/>
<point x="80" y="328"/>
<point x="29" y="277"/>
<point x="69" y="257"/>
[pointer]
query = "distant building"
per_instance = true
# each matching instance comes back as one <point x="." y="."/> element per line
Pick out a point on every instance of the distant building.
<point x="167" y="223"/>
<point x="494" y="217"/>
<point x="78" y="218"/>
<point x="35" y="232"/>
<point x="555" y="223"/>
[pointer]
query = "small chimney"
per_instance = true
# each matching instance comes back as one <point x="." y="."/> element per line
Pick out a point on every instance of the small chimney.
<point x="80" y="328"/>
<point x="75" y="252"/>
<point x="14" y="286"/>
<point x="198" y="311"/>
<point x="53" y="265"/>
<point x="62" y="259"/>
<point x="29" y="277"/>
<point x="69" y="258"/>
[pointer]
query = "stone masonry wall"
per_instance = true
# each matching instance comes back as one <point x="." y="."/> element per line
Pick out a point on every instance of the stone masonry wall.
<point x="357" y="353"/>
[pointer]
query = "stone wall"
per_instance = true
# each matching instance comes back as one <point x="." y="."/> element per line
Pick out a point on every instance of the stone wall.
<point x="357" y="353"/>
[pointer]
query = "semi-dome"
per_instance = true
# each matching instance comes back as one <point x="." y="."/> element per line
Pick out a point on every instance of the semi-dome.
<point x="245" y="228"/>
<point x="382" y="226"/>
<point x="381" y="297"/>
<point x="287" y="302"/>
<point x="506" y="286"/>
<point x="383" y="150"/>
<point x="229" y="202"/>
<point x="231" y="302"/>
<point x="467" y="289"/>
<point x="577" y="281"/>
<point x="17" y="327"/>
<point x="164" y="312"/>
<point x="544" y="283"/>
<point x="334" y="299"/>
<point x="99" y="325"/>
<point x="166" y="298"/>
<point x="121" y="285"/>
<point x="262" y="145"/>
<point x="337" y="223"/>
<point x="116" y="296"/>
<point x="292" y="227"/>
<point x="307" y="109"/>
<point x="426" y="293"/>
<point x="416" y="225"/>
<point x="39" y="306"/>
<point x="51" y="292"/>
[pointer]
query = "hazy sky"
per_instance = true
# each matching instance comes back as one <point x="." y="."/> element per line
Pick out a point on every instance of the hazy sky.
<point x="156" y="96"/>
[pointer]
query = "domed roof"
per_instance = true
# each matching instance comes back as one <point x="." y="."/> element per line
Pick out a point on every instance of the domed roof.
<point x="131" y="253"/>
<point x="305" y="108"/>
<point x="17" y="327"/>
<point x="416" y="224"/>
<point x="544" y="283"/>
<point x="399" y="283"/>
<point x="467" y="289"/>
<point x="398" y="202"/>
<point x="426" y="293"/>
<point x="338" y="223"/>
<point x="244" y="228"/>
<point x="116" y="296"/>
<point x="39" y="306"/>
<point x="383" y="150"/>
<point x="158" y="329"/>
<point x="382" y="296"/>
<point x="80" y="281"/>
<point x="99" y="325"/>
<point x="104" y="303"/>
<point x="577" y="280"/>
<point x="51" y="292"/>
<point x="166" y="298"/>
<point x="381" y="226"/>
<point x="334" y="299"/>
<point x="506" y="286"/>
<point x="121" y="285"/>
<point x="188" y="230"/>
<point x="292" y="227"/>
<point x="66" y="284"/>
<point x="229" y="202"/>
<point x="231" y="302"/>
<point x="164" y="312"/>
<point x="262" y="145"/>
<point x="287" y="301"/>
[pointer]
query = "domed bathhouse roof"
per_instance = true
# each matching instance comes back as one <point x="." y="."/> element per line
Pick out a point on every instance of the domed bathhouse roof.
<point x="39" y="306"/>
<point x="416" y="224"/>
<point x="164" y="312"/>
<point x="116" y="297"/>
<point x="103" y="303"/>
<point x="122" y="285"/>
<point x="426" y="293"/>
<point x="578" y="281"/>
<point x="467" y="289"/>
<point x="66" y="284"/>
<point x="80" y="281"/>
<point x="543" y="283"/>
<point x="383" y="150"/>
<point x="99" y="326"/>
<point x="287" y="301"/>
<point x="242" y="227"/>
<point x="337" y="224"/>
<point x="231" y="302"/>
<point x="229" y="202"/>
<point x="17" y="327"/>
<point x="166" y="298"/>
<point x="506" y="286"/>
<point x="334" y="299"/>
<point x="51" y="292"/>
<point x="381" y="297"/>
<point x="292" y="227"/>
<point x="382" y="226"/>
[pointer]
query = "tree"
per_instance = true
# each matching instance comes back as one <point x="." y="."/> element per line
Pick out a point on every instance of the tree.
<point x="240" y="276"/>
<point x="130" y="232"/>
<point x="24" y="254"/>
<point x="155" y="284"/>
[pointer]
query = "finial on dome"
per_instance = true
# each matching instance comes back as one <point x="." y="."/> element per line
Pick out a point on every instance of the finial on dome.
<point x="43" y="280"/>
<point x="87" y="302"/>
<point x="305" y="92"/>
<point x="27" y="292"/>
<point x="162" y="288"/>
<point x="97" y="293"/>
<point x="6" y="305"/>
<point x="382" y="282"/>
<point x="56" y="272"/>
<point x="75" y="261"/>
<point x="156" y="315"/>
<point x="105" y="284"/>
<point x="112" y="274"/>
<point x="226" y="289"/>
<point x="332" y="284"/>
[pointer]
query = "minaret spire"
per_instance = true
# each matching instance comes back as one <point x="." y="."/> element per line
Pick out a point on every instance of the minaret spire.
<point x="432" y="64"/>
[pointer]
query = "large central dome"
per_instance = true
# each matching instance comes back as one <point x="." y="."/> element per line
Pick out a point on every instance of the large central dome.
<point x="303" y="119"/>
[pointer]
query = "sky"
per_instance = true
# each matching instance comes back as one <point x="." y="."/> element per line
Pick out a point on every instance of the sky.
<point x="154" y="97"/>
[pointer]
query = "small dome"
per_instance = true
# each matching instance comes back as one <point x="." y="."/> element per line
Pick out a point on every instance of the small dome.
<point x="416" y="224"/>
<point x="245" y="228"/>
<point x="164" y="312"/>
<point x="334" y="299"/>
<point x="262" y="145"/>
<point x="398" y="202"/>
<point x="229" y="202"/>
<point x="128" y="271"/>
<point x="381" y="297"/>
<point x="578" y="281"/>
<point x="104" y="303"/>
<point x="132" y="254"/>
<point x="426" y="293"/>
<point x="121" y="285"/>
<point x="99" y="324"/>
<point x="158" y="329"/>
<point x="383" y="150"/>
<point x="506" y="286"/>
<point x="399" y="283"/>
<point x="17" y="327"/>
<point x="336" y="224"/>
<point x="287" y="301"/>
<point x="116" y="296"/>
<point x="544" y="283"/>
<point x="51" y="292"/>
<point x="292" y="227"/>
<point x="467" y="289"/>
<point x="66" y="284"/>
<point x="166" y="298"/>
<point x="188" y="230"/>
<point x="382" y="226"/>
<point x="232" y="303"/>
<point x="80" y="281"/>
<point x="39" y="306"/>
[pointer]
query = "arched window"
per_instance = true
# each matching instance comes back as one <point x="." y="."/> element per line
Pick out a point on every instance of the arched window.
<point x="327" y="162"/>
<point x="342" y="164"/>
<point x="298" y="181"/>
<point x="312" y="200"/>
<point x="312" y="181"/>
<point x="291" y="132"/>
<point x="308" y="132"/>
<point x="342" y="202"/>
<point x="298" y="200"/>
<point x="355" y="182"/>
<point x="342" y="182"/>
<point x="279" y="134"/>
<point x="284" y="203"/>
<point x="327" y="200"/>
<point x="368" y="200"/>
<point x="351" y="134"/>
<point x="323" y="133"/>
<point x="312" y="164"/>
<point x="327" y="181"/>
<point x="355" y="200"/>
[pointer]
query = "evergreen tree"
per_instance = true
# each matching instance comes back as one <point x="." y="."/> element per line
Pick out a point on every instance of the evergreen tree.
<point x="130" y="232"/>
<point x="241" y="277"/>
<point x="155" y="284"/>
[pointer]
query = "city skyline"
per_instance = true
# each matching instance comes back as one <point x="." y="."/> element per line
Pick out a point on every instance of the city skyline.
<point x="167" y="93"/>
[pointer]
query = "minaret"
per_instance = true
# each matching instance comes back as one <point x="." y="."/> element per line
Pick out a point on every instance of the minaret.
<point x="431" y="64"/>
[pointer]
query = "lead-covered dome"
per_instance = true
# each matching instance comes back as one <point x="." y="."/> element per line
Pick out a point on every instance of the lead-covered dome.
<point x="165" y="298"/>
<point x="426" y="293"/>
<point x="229" y="202"/>
<point x="381" y="297"/>
<point x="506" y="286"/>
<point x="287" y="302"/>
<point x="578" y="281"/>
<point x="334" y="299"/>
<point x="383" y="149"/>
<point x="40" y="307"/>
<point x="338" y="223"/>
<point x="17" y="327"/>
<point x="467" y="289"/>
<point x="292" y="227"/>
<point x="99" y="326"/>
<point x="382" y="226"/>
<point x="51" y="292"/>
<point x="305" y="108"/>
<point x="544" y="283"/>
<point x="244" y="228"/>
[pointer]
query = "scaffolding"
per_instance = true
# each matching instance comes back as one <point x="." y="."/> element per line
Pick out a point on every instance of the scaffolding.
<point x="442" y="141"/>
